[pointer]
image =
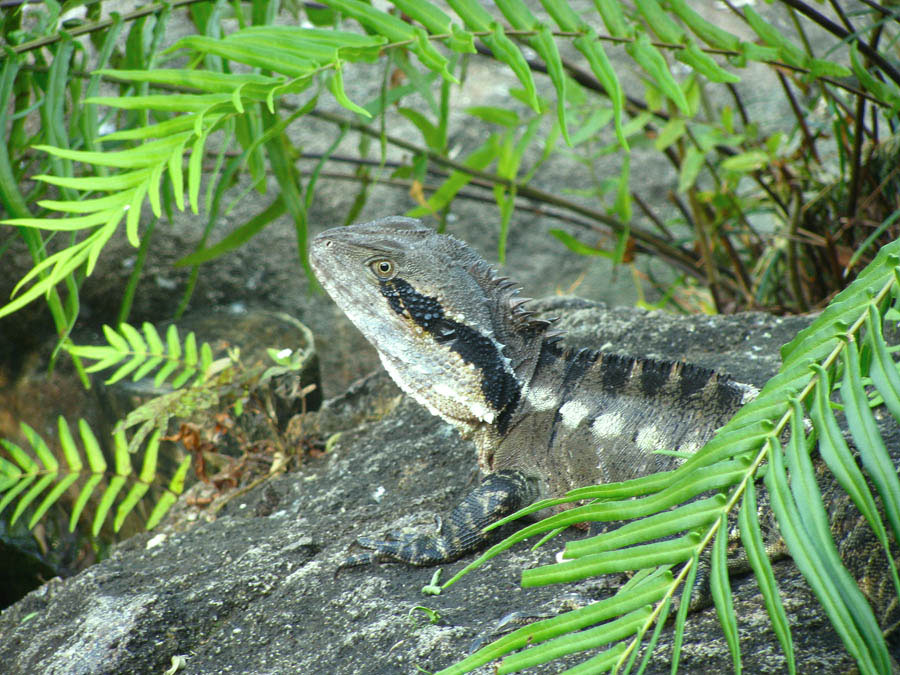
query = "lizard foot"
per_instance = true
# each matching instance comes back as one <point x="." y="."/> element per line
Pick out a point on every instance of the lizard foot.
<point x="499" y="494"/>
<point x="420" y="550"/>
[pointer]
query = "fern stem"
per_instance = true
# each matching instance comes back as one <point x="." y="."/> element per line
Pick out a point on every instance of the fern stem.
<point x="96" y="26"/>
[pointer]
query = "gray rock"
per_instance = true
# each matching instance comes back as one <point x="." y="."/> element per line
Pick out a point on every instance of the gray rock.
<point x="255" y="590"/>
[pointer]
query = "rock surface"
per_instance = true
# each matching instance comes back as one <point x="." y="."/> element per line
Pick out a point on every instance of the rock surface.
<point x="255" y="590"/>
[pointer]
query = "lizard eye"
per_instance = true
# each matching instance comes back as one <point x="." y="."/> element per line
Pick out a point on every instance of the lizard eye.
<point x="383" y="269"/>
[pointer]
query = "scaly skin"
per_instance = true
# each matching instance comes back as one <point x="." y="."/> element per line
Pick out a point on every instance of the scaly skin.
<point x="545" y="420"/>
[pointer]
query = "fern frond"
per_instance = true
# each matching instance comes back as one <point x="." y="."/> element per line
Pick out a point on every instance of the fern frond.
<point x="48" y="475"/>
<point x="146" y="353"/>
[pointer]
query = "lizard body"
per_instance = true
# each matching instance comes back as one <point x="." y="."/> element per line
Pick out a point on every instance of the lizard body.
<point x="457" y="338"/>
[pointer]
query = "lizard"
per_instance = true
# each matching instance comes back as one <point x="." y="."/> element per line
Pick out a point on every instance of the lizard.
<point x="457" y="337"/>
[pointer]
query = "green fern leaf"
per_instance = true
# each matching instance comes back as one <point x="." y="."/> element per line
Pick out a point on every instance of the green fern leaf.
<point x="203" y="80"/>
<point x="87" y="490"/>
<point x="110" y="202"/>
<point x="151" y="451"/>
<point x="95" y="457"/>
<point x="816" y="565"/>
<point x="427" y="14"/>
<point x="176" y="174"/>
<point x="164" y="373"/>
<point x="51" y="465"/>
<point x="258" y="55"/>
<point x="67" y="443"/>
<point x="121" y="454"/>
<point x="51" y="497"/>
<point x="125" y="369"/>
<point x="9" y="471"/>
<point x="112" y="183"/>
<point x="687" y="517"/>
<point x="183" y="377"/>
<point x="757" y="556"/>
<point x="36" y="489"/>
<point x="114" y="339"/>
<point x="116" y="483"/>
<point x="146" y="368"/>
<point x="599" y="663"/>
<point x="720" y="590"/>
<point x="684" y="604"/>
<point x="168" y="498"/>
<point x="865" y="433"/>
<point x="126" y="506"/>
<point x="20" y="457"/>
<point x="837" y="455"/>
<point x="173" y="342"/>
<point x="632" y="558"/>
<point x="146" y="155"/>
<point x="578" y="642"/>
<point x="155" y="344"/>
<point x="15" y="490"/>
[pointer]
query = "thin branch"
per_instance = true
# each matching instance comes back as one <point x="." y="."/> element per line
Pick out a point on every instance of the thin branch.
<point x="836" y="6"/>
<point x="739" y="103"/>
<point x="649" y="213"/>
<point x="808" y="140"/>
<point x="856" y="162"/>
<point x="793" y="263"/>
<point x="830" y="26"/>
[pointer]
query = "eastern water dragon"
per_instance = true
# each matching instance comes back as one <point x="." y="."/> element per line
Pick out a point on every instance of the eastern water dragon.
<point x="459" y="339"/>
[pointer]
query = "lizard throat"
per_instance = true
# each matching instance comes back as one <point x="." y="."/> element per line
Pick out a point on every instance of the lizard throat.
<point x="499" y="387"/>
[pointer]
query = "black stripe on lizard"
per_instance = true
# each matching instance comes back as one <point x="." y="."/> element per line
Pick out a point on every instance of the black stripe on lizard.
<point x="498" y="385"/>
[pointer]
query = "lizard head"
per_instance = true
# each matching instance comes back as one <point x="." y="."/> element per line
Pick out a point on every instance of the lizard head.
<point x="445" y="326"/>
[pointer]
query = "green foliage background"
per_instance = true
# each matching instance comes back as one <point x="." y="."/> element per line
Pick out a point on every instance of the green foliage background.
<point x="825" y="191"/>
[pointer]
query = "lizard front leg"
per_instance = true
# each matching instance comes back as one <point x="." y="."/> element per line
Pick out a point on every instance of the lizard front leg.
<point x="499" y="494"/>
